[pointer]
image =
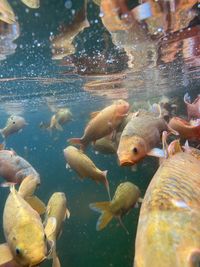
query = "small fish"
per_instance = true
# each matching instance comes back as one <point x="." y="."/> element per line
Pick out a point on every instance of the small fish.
<point x="14" y="124"/>
<point x="84" y="166"/>
<point x="57" y="208"/>
<point x="186" y="130"/>
<point x="105" y="145"/>
<point x="62" y="116"/>
<point x="103" y="123"/>
<point x="193" y="109"/>
<point x="32" y="3"/>
<point x="24" y="233"/>
<point x="14" y="168"/>
<point x="126" y="196"/>
<point x="6" y="12"/>
<point x="168" y="232"/>
<point x="140" y="137"/>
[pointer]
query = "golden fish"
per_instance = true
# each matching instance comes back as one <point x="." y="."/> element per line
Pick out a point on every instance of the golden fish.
<point x="84" y="166"/>
<point x="140" y="137"/>
<point x="168" y="232"/>
<point x="32" y="3"/>
<point x="25" y="236"/>
<point x="103" y="123"/>
<point x="57" y="208"/>
<point x="126" y="196"/>
<point x="105" y="145"/>
<point x="62" y="116"/>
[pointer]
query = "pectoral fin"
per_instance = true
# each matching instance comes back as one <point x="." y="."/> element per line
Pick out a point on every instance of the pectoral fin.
<point x="156" y="152"/>
<point x="58" y="126"/>
<point x="94" y="114"/>
<point x="56" y="261"/>
<point x="5" y="254"/>
<point x="36" y="204"/>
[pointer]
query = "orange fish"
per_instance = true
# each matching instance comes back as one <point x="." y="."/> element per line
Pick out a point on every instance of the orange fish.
<point x="103" y="123"/>
<point x="193" y="109"/>
<point x="140" y="138"/>
<point x="186" y="129"/>
<point x="168" y="233"/>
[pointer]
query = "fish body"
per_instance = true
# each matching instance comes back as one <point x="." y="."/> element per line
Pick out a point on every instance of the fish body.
<point x="23" y="231"/>
<point x="56" y="208"/>
<point x="84" y="166"/>
<point x="6" y="12"/>
<point x="14" y="124"/>
<point x="185" y="128"/>
<point x="193" y="109"/>
<point x="126" y="196"/>
<point x="62" y="116"/>
<point x="14" y="168"/>
<point x="168" y="232"/>
<point x="103" y="123"/>
<point x="139" y="137"/>
<point x="105" y="145"/>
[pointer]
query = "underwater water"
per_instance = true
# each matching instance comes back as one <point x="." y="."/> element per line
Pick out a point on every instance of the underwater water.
<point x="31" y="81"/>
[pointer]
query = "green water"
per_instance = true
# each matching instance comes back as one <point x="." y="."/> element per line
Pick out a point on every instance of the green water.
<point x="37" y="77"/>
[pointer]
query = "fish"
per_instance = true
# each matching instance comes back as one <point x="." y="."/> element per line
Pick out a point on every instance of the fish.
<point x="57" y="208"/>
<point x="6" y="12"/>
<point x="125" y="198"/>
<point x="62" y="44"/>
<point x="186" y="129"/>
<point x="26" y="241"/>
<point x="193" y="109"/>
<point x="102" y="123"/>
<point x="105" y="145"/>
<point x="14" y="124"/>
<point x="168" y="232"/>
<point x="31" y="3"/>
<point x="14" y="168"/>
<point x="26" y="191"/>
<point x="62" y="116"/>
<point x="140" y="137"/>
<point x="84" y="166"/>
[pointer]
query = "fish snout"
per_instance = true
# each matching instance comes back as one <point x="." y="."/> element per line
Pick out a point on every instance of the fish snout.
<point x="125" y="161"/>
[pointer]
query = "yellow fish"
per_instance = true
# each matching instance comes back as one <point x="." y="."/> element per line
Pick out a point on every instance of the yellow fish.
<point x="126" y="197"/>
<point x="168" y="233"/>
<point x="84" y="166"/>
<point x="26" y="240"/>
<point x="57" y="208"/>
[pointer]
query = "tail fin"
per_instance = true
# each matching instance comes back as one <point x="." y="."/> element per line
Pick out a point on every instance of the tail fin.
<point x="106" y="215"/>
<point x="106" y="183"/>
<point x="77" y="141"/>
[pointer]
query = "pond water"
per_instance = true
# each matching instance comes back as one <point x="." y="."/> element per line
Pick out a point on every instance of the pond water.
<point x="96" y="67"/>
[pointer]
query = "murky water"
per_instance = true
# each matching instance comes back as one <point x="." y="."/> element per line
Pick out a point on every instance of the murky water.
<point x="104" y="67"/>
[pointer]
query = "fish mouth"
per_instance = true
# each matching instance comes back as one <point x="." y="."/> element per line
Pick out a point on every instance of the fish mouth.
<point x="126" y="162"/>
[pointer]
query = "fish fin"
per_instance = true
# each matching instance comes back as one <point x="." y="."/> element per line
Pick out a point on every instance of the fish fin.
<point x="171" y="130"/>
<point x="94" y="114"/>
<point x="187" y="99"/>
<point x="134" y="168"/>
<point x="58" y="126"/>
<point x="36" y="204"/>
<point x="156" y="109"/>
<point x="122" y="225"/>
<point x="106" y="183"/>
<point x="106" y="215"/>
<point x="67" y="214"/>
<point x="156" y="152"/>
<point x="32" y="4"/>
<point x="50" y="226"/>
<point x="12" y="189"/>
<point x="142" y="11"/>
<point x="5" y="254"/>
<point x="7" y="184"/>
<point x="97" y="2"/>
<point x="2" y="145"/>
<point x="136" y="206"/>
<point x="56" y="261"/>
<point x="77" y="141"/>
<point x="2" y="134"/>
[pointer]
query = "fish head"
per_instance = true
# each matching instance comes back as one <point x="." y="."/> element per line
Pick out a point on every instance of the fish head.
<point x="131" y="150"/>
<point x="122" y="107"/>
<point x="30" y="245"/>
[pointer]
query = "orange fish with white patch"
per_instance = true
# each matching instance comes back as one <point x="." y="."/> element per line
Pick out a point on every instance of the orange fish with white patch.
<point x="103" y="123"/>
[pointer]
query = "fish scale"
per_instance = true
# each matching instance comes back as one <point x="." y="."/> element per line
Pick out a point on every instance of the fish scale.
<point x="168" y="231"/>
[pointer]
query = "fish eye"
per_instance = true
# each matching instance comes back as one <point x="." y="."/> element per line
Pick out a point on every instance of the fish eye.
<point x="13" y="122"/>
<point x="135" y="150"/>
<point x="17" y="250"/>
